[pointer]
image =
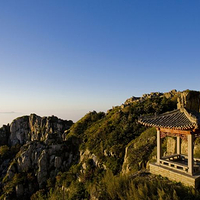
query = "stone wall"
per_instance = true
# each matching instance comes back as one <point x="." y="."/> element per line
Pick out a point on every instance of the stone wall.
<point x="175" y="176"/>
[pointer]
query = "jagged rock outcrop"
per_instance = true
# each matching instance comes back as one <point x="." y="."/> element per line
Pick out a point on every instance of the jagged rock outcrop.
<point x="4" y="134"/>
<point x="33" y="127"/>
<point x="44" y="161"/>
<point x="190" y="100"/>
<point x="19" y="130"/>
<point x="139" y="151"/>
<point x="171" y="94"/>
<point x="85" y="155"/>
<point x="42" y="155"/>
<point x="42" y="168"/>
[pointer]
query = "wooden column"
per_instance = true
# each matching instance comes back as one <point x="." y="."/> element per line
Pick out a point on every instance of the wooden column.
<point x="158" y="147"/>
<point x="190" y="154"/>
<point x="178" y="145"/>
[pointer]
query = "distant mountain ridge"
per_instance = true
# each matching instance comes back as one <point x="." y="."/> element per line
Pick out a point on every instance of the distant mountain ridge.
<point x="171" y="94"/>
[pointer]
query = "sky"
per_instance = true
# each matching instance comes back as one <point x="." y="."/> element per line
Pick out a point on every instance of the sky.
<point x="69" y="57"/>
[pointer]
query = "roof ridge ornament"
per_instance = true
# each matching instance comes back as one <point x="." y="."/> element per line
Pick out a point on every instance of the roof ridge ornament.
<point x="191" y="117"/>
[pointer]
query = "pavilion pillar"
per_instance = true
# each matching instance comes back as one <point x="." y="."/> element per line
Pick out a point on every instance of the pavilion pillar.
<point x="178" y="142"/>
<point x="190" y="153"/>
<point x="158" y="147"/>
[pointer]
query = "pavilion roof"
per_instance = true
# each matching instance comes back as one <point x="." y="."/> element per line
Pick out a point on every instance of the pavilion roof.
<point x="180" y="119"/>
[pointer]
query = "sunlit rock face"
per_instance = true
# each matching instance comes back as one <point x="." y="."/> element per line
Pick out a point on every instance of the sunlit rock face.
<point x="189" y="100"/>
<point x="39" y="150"/>
<point x="33" y="127"/>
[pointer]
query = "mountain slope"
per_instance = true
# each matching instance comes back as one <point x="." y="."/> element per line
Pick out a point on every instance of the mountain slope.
<point x="44" y="158"/>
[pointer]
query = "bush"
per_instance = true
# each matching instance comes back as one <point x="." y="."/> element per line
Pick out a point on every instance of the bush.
<point x="141" y="187"/>
<point x="4" y="151"/>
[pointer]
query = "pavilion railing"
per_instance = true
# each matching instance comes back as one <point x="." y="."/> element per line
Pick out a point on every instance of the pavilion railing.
<point x="179" y="162"/>
<point x="174" y="165"/>
<point x="196" y="163"/>
<point x="173" y="157"/>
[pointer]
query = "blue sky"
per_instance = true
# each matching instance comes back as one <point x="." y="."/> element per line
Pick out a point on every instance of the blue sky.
<point x="66" y="58"/>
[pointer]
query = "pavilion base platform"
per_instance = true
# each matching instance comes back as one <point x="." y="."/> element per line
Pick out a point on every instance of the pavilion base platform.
<point x="175" y="175"/>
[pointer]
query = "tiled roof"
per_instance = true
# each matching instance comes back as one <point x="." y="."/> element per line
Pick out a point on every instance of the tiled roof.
<point x="180" y="119"/>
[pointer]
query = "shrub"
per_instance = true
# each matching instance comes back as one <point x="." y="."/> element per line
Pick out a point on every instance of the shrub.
<point x="4" y="151"/>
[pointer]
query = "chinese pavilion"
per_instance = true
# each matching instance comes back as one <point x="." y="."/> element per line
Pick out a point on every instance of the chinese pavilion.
<point x="183" y="123"/>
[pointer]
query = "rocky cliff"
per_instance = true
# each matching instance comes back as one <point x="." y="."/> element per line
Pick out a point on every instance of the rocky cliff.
<point x="33" y="148"/>
<point x="139" y="152"/>
<point x="33" y="127"/>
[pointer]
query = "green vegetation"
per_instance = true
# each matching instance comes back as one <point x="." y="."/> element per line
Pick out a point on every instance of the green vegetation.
<point x="99" y="168"/>
<point x="9" y="186"/>
<point x="141" y="150"/>
<point x="141" y="186"/>
<point x="144" y="186"/>
<point x="106" y="136"/>
<point x="4" y="151"/>
<point x="9" y="152"/>
<point x="110" y="133"/>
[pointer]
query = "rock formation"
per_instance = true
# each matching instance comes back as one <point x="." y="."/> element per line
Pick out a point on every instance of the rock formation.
<point x="168" y="95"/>
<point x="189" y="100"/>
<point x="42" y="155"/>
<point x="33" y="127"/>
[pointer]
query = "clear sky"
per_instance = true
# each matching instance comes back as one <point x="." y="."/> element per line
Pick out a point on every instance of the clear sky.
<point x="68" y="57"/>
